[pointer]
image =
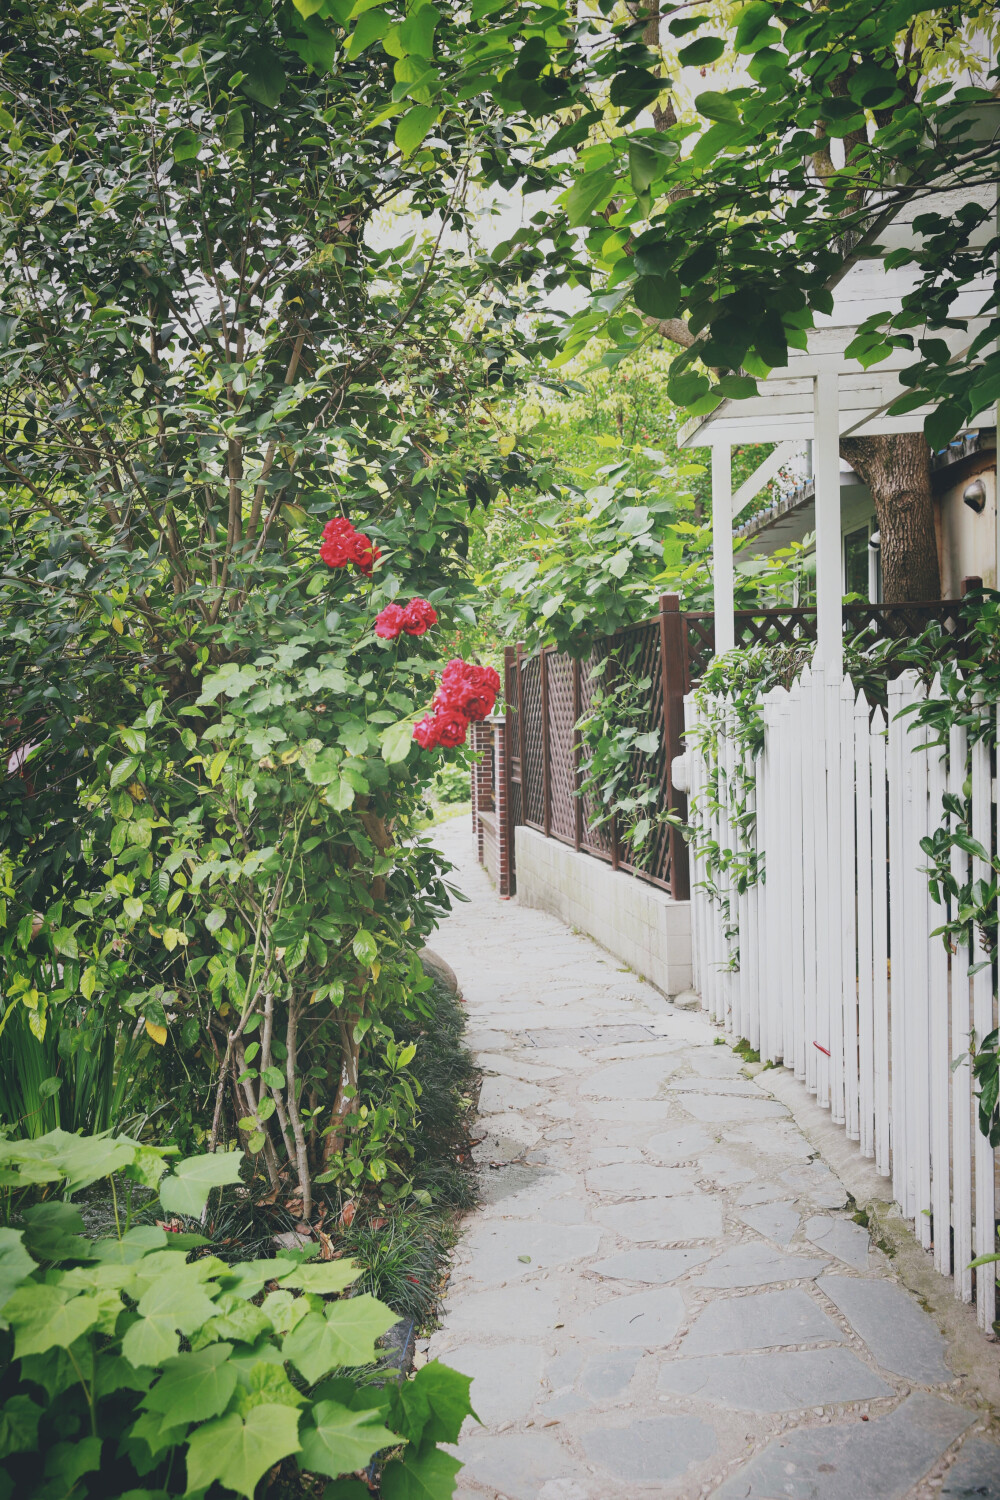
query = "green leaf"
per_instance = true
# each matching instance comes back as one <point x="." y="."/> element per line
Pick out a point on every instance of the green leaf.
<point x="186" y="145"/>
<point x="715" y="106"/>
<point x="193" y="1386"/>
<point x="365" y="947"/>
<point x="19" y="1418"/>
<point x="410" y="131"/>
<point x="433" y="1405"/>
<point x="238" y="1452"/>
<point x="431" y="1476"/>
<point x="345" y="1336"/>
<point x="340" y="1441"/>
<point x="186" y="1190"/>
<point x="396" y="740"/>
<point x="123" y="771"/>
<point x="324" y="1278"/>
<point x="264" y="83"/>
<point x="659" y="296"/>
<point x="46" y="1317"/>
<point x="590" y="191"/>
<point x="16" y="1265"/>
<point x="370" y="27"/>
<point x="700" y="53"/>
<point x="64" y="942"/>
<point x="755" y="30"/>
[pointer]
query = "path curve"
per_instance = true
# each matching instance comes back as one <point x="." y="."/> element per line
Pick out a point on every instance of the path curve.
<point x="663" y="1291"/>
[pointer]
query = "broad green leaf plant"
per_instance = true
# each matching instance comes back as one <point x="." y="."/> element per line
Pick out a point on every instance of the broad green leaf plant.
<point x="144" y="1365"/>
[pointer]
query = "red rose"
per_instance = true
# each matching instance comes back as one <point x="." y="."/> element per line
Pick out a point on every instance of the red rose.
<point x="469" y="689"/>
<point x="390" y="622"/>
<point x="425" y="733"/>
<point x="343" y="545"/>
<point x="450" y="727"/>
<point x="419" y="616"/>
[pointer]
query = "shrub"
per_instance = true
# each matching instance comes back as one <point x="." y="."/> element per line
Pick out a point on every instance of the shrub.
<point x="144" y="1365"/>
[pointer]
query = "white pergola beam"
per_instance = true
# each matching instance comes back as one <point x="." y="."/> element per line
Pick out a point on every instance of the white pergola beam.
<point x="826" y="478"/>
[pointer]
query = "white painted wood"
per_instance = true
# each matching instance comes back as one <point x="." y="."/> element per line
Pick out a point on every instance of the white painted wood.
<point x="722" y="547"/>
<point x="878" y="740"/>
<point x="865" y="927"/>
<point x="958" y="1052"/>
<point x="826" y="474"/>
<point x="918" y="1080"/>
<point x="938" y="1027"/>
<point x="984" y="1237"/>
<point x="763" y="474"/>
<point x="896" y="798"/>
<point x="848" y="1087"/>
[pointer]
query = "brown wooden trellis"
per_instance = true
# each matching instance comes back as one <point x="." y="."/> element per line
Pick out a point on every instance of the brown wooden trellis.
<point x="548" y="692"/>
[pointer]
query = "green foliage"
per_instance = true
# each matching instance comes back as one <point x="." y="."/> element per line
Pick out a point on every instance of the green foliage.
<point x="617" y="746"/>
<point x="98" y="1397"/>
<point x="211" y="892"/>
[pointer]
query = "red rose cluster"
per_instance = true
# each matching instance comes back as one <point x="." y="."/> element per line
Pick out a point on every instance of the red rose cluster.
<point x="342" y="545"/>
<point x="467" y="694"/>
<point x="415" y="619"/>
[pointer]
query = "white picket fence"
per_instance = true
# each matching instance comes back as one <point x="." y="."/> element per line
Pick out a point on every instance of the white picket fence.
<point x="837" y="975"/>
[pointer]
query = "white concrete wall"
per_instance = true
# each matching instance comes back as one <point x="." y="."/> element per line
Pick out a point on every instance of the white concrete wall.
<point x="636" y="922"/>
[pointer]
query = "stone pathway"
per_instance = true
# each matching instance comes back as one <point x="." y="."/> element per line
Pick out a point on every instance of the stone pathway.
<point x="663" y="1292"/>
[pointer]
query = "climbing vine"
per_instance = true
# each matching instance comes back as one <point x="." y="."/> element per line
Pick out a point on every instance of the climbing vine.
<point x="617" y="747"/>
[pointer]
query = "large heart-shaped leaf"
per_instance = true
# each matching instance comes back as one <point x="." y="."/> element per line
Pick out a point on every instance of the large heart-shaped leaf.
<point x="429" y="1477"/>
<point x="193" y="1386"/>
<point x="46" y="1317"/>
<point x="339" y="1441"/>
<point x="345" y="1336"/>
<point x="187" y="1188"/>
<point x="237" y="1452"/>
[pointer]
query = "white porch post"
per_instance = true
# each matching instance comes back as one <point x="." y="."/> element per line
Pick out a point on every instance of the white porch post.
<point x="722" y="546"/>
<point x="826" y="471"/>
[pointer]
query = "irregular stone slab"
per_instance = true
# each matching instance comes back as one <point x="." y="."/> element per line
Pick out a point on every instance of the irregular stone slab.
<point x="651" y="1451"/>
<point x="878" y="1460"/>
<point x="762" y="1192"/>
<point x="505" y="1379"/>
<point x="645" y="1319"/>
<point x="778" y="1221"/>
<point x="975" y="1474"/>
<point x="713" y="1062"/>
<point x="753" y="1264"/>
<point x="840" y="1237"/>
<point x="691" y="1084"/>
<point x="652" y="1266"/>
<point x="607" y="1375"/>
<point x="682" y="1143"/>
<point x="723" y="1170"/>
<point x="588" y="1036"/>
<point x="722" y="1111"/>
<point x="818" y="1183"/>
<point x="634" y="1078"/>
<point x="774" y="1138"/>
<point x="893" y="1325"/>
<point x="491" y="1252"/>
<point x="774" y="1382"/>
<point x="604" y="1155"/>
<point x="514" y="1065"/>
<point x="513" y="1307"/>
<point x="640" y="1180"/>
<point x="501" y="1094"/>
<point x="632" y="1112"/>
<point x="517" y="1465"/>
<point x="763" y="1320"/>
<point x="666" y="1220"/>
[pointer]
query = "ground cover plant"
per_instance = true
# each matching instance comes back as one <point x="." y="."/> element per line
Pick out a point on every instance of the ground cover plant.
<point x="143" y="1364"/>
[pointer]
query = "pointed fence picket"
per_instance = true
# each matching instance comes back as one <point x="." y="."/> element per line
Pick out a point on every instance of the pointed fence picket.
<point x="833" y="969"/>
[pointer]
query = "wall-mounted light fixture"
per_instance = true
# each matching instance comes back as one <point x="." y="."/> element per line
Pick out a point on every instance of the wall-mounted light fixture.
<point x="974" y="496"/>
<point x="875" y="541"/>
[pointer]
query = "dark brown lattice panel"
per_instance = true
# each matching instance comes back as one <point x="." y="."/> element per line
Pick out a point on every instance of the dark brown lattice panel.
<point x="699" y="640"/>
<point x="639" y="655"/>
<point x="532" y="772"/>
<point x="595" y="840"/>
<point x="899" y="622"/>
<point x="562" y="721"/>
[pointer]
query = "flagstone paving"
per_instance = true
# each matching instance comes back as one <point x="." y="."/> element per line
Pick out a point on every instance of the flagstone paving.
<point x="663" y="1291"/>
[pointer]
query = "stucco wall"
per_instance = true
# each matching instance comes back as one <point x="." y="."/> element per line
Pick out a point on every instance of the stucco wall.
<point x="638" y="923"/>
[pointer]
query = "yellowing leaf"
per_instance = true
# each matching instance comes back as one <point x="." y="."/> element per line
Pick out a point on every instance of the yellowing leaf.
<point x="157" y="1033"/>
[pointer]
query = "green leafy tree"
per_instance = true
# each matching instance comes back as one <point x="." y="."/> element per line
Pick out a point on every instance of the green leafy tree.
<point x="211" y="346"/>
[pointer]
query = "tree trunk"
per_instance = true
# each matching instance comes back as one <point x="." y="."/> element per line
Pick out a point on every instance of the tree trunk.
<point x="897" y="470"/>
